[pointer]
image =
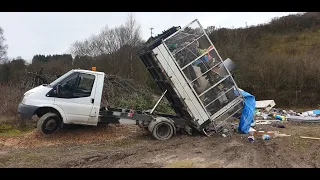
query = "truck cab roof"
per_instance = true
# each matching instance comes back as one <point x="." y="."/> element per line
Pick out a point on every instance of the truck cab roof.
<point x="87" y="71"/>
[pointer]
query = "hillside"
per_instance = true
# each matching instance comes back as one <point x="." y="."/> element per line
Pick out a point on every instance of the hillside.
<point x="278" y="60"/>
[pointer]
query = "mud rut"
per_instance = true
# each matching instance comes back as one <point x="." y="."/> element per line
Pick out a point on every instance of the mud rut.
<point x="141" y="150"/>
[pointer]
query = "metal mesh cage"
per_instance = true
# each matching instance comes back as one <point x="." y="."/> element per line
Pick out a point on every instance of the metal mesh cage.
<point x="203" y="68"/>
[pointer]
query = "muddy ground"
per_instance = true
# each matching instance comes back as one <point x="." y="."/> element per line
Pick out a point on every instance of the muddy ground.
<point x="129" y="146"/>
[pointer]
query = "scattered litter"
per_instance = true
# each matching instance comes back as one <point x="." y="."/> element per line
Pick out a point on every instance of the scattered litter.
<point x="259" y="122"/>
<point x="305" y="137"/>
<point x="251" y="131"/>
<point x="251" y="138"/>
<point x="265" y="137"/>
<point x="223" y="135"/>
<point x="313" y="113"/>
<point x="317" y="111"/>
<point x="265" y="116"/>
<point x="262" y="116"/>
<point x="291" y="111"/>
<point x="282" y="118"/>
<point x="265" y="104"/>
<point x="303" y="119"/>
<point x="257" y="112"/>
<point x="263" y="123"/>
<point x="234" y="126"/>
<point x="265" y="111"/>
<point x="270" y="133"/>
<point x="225" y="131"/>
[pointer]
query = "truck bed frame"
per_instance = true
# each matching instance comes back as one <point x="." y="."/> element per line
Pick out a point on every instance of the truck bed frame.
<point x="170" y="74"/>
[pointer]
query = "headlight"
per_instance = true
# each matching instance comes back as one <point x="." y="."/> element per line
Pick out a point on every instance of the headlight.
<point x="25" y="97"/>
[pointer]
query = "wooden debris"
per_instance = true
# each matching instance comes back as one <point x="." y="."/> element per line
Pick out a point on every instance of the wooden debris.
<point x="267" y="121"/>
<point x="270" y="133"/>
<point x="305" y="137"/>
<point x="282" y="135"/>
<point x="263" y="123"/>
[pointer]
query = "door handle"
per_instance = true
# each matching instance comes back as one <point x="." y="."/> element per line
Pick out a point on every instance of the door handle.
<point x="92" y="100"/>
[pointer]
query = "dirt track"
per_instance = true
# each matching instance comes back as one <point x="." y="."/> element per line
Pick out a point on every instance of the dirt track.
<point x="128" y="146"/>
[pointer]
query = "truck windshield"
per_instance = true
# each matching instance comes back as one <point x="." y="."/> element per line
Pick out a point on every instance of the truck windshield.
<point x="55" y="82"/>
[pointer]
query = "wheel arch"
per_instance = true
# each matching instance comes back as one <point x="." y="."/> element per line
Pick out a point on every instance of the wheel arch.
<point x="45" y="109"/>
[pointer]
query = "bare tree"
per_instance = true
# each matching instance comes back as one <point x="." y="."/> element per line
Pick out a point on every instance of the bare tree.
<point x="3" y="47"/>
<point x="132" y="31"/>
<point x="109" y="41"/>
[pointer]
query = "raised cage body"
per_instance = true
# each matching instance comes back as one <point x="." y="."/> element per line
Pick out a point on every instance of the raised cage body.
<point x="185" y="63"/>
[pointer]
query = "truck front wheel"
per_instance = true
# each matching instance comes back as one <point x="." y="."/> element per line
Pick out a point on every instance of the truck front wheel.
<point x="49" y="123"/>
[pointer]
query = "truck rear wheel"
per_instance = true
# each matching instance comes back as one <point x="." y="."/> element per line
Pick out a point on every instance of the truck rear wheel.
<point x="162" y="129"/>
<point x="49" y="123"/>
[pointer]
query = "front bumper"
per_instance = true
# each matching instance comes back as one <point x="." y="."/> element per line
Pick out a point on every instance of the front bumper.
<point x="26" y="111"/>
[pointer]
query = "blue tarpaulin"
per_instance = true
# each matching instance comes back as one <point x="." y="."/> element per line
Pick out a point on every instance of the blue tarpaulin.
<point x="317" y="111"/>
<point x="246" y="118"/>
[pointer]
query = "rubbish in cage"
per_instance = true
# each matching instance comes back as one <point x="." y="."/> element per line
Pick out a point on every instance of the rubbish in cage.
<point x="186" y="65"/>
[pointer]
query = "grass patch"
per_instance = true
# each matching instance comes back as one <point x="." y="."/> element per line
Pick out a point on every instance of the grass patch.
<point x="8" y="130"/>
<point x="13" y="126"/>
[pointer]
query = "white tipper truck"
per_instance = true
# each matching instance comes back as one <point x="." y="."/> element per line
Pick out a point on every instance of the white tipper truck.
<point x="185" y="65"/>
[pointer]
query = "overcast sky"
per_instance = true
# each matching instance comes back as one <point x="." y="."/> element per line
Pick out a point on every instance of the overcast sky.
<point x="29" y="33"/>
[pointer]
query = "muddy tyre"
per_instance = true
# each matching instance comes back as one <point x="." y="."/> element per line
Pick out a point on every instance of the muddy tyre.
<point x="49" y="123"/>
<point x="162" y="129"/>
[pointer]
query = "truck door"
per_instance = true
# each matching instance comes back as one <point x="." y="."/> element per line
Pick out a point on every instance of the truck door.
<point x="76" y="97"/>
